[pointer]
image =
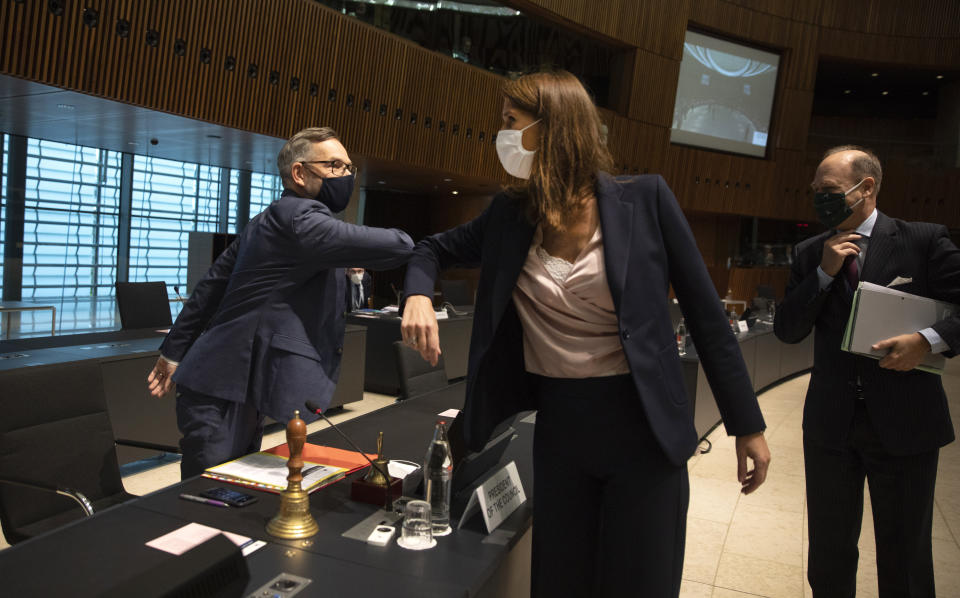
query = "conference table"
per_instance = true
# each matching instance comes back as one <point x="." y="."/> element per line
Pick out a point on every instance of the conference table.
<point x="381" y="372"/>
<point x="89" y="557"/>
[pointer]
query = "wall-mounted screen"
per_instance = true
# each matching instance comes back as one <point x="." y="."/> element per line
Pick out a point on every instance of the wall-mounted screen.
<point x="724" y="96"/>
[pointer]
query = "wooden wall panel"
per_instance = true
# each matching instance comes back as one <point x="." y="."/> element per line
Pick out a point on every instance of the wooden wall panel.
<point x="798" y="62"/>
<point x="743" y="281"/>
<point x="796" y="10"/>
<point x="791" y="118"/>
<point x="653" y="26"/>
<point x="654" y="89"/>
<point x="319" y="46"/>
<point x="918" y="18"/>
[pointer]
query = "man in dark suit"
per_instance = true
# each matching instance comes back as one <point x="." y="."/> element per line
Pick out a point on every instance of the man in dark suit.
<point x="359" y="288"/>
<point x="880" y="420"/>
<point x="263" y="331"/>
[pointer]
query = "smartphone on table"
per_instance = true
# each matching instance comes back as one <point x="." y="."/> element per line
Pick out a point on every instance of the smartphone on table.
<point x="232" y="497"/>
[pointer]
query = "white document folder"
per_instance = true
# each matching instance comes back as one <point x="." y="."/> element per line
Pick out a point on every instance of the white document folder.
<point x="879" y="313"/>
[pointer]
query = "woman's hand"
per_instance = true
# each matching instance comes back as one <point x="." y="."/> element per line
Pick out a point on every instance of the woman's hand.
<point x="419" y="327"/>
<point x="753" y="446"/>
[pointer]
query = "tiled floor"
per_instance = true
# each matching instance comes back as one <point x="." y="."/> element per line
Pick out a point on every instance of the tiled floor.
<point x="756" y="545"/>
<point x="742" y="546"/>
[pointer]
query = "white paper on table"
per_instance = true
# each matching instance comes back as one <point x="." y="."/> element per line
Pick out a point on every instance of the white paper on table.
<point x="449" y="413"/>
<point x="401" y="469"/>
<point x="192" y="535"/>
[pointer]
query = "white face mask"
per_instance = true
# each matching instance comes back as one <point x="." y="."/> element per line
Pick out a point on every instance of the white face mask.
<point x="516" y="160"/>
<point x="356" y="278"/>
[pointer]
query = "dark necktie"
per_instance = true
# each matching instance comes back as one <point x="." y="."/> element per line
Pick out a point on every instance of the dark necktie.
<point x="851" y="272"/>
<point x="851" y="265"/>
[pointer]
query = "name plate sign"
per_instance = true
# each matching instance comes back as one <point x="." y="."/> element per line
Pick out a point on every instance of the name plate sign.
<point x="497" y="498"/>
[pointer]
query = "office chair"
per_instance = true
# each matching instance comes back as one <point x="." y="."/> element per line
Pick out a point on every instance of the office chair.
<point x="58" y="460"/>
<point x="456" y="292"/>
<point x="143" y="305"/>
<point x="766" y="292"/>
<point x="417" y="376"/>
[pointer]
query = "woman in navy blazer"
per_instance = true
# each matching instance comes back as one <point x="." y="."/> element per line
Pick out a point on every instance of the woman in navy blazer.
<point x="610" y="451"/>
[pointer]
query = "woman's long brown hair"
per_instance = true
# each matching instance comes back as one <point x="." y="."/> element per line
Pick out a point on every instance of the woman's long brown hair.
<point x="571" y="149"/>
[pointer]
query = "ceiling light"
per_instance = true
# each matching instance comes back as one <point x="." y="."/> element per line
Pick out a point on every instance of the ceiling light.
<point x="883" y="93"/>
<point x="926" y="93"/>
<point x="447" y="180"/>
<point x="874" y="74"/>
<point x="381" y="182"/>
<point x="847" y="91"/>
<point x="455" y="192"/>
<point x="939" y="76"/>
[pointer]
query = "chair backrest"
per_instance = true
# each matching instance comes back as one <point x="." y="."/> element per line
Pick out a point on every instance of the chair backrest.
<point x="55" y="431"/>
<point x="456" y="292"/>
<point x="416" y="375"/>
<point x="765" y="291"/>
<point x="143" y="305"/>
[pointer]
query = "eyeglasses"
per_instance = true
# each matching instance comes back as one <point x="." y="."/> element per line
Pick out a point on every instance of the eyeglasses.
<point x="337" y="167"/>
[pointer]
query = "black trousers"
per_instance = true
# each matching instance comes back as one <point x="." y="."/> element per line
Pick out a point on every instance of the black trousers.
<point x="610" y="511"/>
<point x="214" y="430"/>
<point x="901" y="493"/>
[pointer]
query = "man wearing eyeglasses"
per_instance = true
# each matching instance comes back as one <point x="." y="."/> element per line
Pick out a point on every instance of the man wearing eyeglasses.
<point x="263" y="331"/>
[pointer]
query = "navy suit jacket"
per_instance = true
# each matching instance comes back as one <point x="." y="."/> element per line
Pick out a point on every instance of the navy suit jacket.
<point x="908" y="409"/>
<point x="647" y="245"/>
<point x="266" y="323"/>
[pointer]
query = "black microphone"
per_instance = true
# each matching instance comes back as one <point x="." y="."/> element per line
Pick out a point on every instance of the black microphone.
<point x="451" y="310"/>
<point x="176" y="290"/>
<point x="399" y="294"/>
<point x="386" y="474"/>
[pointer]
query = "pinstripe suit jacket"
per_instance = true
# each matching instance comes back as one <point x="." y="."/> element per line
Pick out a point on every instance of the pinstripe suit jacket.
<point x="908" y="409"/>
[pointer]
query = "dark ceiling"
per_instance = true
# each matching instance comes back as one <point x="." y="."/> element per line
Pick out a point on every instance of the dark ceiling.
<point x="864" y="90"/>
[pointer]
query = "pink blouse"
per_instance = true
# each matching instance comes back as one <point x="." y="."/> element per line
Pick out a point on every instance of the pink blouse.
<point x="570" y="325"/>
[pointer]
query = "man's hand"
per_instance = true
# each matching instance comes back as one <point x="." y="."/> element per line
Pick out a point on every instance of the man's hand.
<point x="160" y="378"/>
<point x="753" y="446"/>
<point x="419" y="327"/>
<point x="905" y="351"/>
<point x="836" y="249"/>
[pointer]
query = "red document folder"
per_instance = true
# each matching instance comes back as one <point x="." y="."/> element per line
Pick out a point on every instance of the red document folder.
<point x="315" y="453"/>
<point x="351" y="461"/>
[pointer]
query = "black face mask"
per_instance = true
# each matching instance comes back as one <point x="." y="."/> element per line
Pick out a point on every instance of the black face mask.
<point x="832" y="208"/>
<point x="335" y="192"/>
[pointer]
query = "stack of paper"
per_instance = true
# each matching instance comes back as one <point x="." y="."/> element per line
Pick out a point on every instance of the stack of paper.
<point x="267" y="470"/>
<point x="879" y="313"/>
